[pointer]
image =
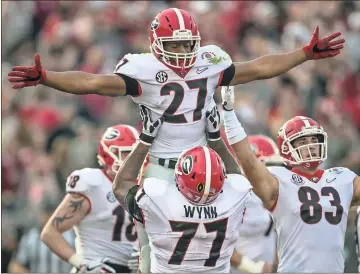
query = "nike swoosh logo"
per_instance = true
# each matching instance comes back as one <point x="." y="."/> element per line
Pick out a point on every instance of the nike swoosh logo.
<point x="317" y="50"/>
<point x="329" y="181"/>
<point x="198" y="71"/>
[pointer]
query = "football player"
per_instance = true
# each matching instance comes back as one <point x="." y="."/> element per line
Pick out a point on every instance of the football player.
<point x="105" y="232"/>
<point x="192" y="225"/>
<point x="177" y="80"/>
<point x="309" y="205"/>
<point x="256" y="246"/>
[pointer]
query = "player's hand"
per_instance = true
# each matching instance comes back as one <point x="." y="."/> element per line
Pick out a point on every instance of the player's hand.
<point x="96" y="266"/>
<point x="267" y="268"/>
<point x="213" y="124"/>
<point x="133" y="262"/>
<point x="27" y="76"/>
<point x="150" y="128"/>
<point x="323" y="48"/>
<point x="228" y="98"/>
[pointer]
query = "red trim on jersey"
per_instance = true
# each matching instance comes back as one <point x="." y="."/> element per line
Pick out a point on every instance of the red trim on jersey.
<point x="143" y="216"/>
<point x="220" y="79"/>
<point x="140" y="179"/>
<point x="107" y="176"/>
<point x="86" y="197"/>
<point x="242" y="220"/>
<point x="139" y="90"/>
<point x="275" y="203"/>
<point x="314" y="177"/>
<point x="178" y="70"/>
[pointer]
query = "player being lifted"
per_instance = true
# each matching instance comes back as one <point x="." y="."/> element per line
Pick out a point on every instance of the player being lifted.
<point x="193" y="224"/>
<point x="309" y="205"/>
<point x="176" y="80"/>
<point x="105" y="232"/>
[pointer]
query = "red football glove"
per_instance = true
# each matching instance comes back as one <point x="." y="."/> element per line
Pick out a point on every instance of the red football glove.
<point x="323" y="48"/>
<point x="27" y="76"/>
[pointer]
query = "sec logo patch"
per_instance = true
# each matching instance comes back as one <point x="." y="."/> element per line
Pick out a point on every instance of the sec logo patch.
<point x="161" y="77"/>
<point x="111" y="197"/>
<point x="297" y="180"/>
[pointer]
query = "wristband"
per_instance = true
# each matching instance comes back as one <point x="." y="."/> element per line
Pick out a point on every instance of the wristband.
<point x="233" y="129"/>
<point x="76" y="260"/>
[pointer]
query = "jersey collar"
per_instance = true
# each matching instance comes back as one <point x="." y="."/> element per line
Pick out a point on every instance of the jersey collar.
<point x="181" y="73"/>
<point x="315" y="177"/>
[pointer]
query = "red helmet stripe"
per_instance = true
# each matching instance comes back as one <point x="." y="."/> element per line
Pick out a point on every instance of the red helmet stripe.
<point x="180" y="18"/>
<point x="207" y="176"/>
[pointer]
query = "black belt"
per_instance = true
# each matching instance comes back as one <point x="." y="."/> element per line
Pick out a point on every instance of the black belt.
<point x="171" y="164"/>
<point x="119" y="268"/>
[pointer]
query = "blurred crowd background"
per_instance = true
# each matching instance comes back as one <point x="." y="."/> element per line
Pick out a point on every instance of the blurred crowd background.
<point x="47" y="134"/>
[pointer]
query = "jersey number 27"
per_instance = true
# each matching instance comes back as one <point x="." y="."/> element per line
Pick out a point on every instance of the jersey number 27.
<point x="179" y="93"/>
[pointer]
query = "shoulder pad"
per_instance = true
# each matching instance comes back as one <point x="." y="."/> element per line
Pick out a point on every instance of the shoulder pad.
<point x="238" y="182"/>
<point x="215" y="57"/>
<point x="82" y="180"/>
<point x="342" y="170"/>
<point x="276" y="170"/>
<point x="155" y="187"/>
<point x="137" y="65"/>
<point x="338" y="170"/>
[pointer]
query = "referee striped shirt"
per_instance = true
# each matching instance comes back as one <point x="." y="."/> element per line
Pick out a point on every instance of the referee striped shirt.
<point x="37" y="257"/>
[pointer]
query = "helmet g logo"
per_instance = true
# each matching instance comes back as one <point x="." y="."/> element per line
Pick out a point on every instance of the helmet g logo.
<point x="111" y="134"/>
<point x="187" y="164"/>
<point x="155" y="24"/>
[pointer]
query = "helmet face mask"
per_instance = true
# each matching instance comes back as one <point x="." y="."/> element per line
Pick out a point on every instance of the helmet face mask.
<point x="307" y="153"/>
<point x="174" y="25"/>
<point x="200" y="175"/>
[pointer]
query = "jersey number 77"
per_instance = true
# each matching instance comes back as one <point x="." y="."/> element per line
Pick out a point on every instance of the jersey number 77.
<point x="189" y="231"/>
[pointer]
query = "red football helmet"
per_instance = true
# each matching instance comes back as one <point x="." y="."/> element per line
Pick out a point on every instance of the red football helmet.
<point x="116" y="140"/>
<point x="295" y="128"/>
<point x="200" y="175"/>
<point x="174" y="25"/>
<point x="265" y="149"/>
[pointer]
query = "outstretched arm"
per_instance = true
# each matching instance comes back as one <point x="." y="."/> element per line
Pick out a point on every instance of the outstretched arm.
<point x="269" y="66"/>
<point x="75" y="82"/>
<point x="70" y="212"/>
<point x="265" y="185"/>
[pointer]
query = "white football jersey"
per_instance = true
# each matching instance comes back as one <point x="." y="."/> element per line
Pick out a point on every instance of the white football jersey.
<point x="107" y="231"/>
<point x="311" y="218"/>
<point x="183" y="101"/>
<point x="257" y="235"/>
<point x="188" y="238"/>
